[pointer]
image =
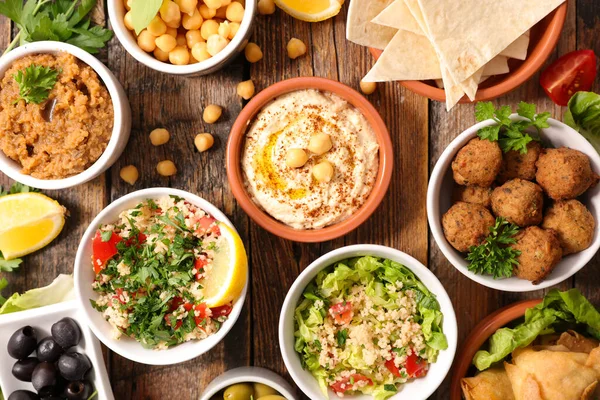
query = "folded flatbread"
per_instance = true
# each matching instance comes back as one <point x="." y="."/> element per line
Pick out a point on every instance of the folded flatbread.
<point x="491" y="384"/>
<point x="360" y="29"/>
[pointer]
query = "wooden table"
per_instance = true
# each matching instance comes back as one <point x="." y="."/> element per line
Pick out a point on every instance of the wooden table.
<point x="420" y="131"/>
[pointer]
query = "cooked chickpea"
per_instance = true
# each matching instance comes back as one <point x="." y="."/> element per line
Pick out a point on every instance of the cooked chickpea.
<point x="320" y="143"/>
<point x="161" y="55"/>
<point x="368" y="87"/>
<point x="214" y="4"/>
<point x="172" y="32"/>
<point x="157" y="27"/>
<point x="252" y="52"/>
<point x="207" y="13"/>
<point x="199" y="51"/>
<point x="225" y="3"/>
<point x="212" y="113"/>
<point x="296" y="158"/>
<point x="192" y="59"/>
<point x="187" y="6"/>
<point x="166" y="168"/>
<point x="204" y="141"/>
<point x="193" y="21"/>
<point x="170" y="14"/>
<point x="181" y="40"/>
<point x="221" y="13"/>
<point x="323" y="171"/>
<point x="209" y="27"/>
<point x="215" y="44"/>
<point x="146" y="41"/>
<point x="159" y="136"/>
<point x="235" y="12"/>
<point x="242" y="2"/>
<point x="129" y="174"/>
<point x="166" y="43"/>
<point x="296" y="48"/>
<point x="192" y="37"/>
<point x="179" y="56"/>
<point x="127" y="4"/>
<point x="224" y="29"/>
<point x="233" y="29"/>
<point x="266" y="7"/>
<point x="246" y="89"/>
<point x="128" y="21"/>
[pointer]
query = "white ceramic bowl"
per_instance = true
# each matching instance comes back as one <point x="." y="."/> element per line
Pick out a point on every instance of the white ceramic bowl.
<point x="84" y="276"/>
<point x="42" y="319"/>
<point x="439" y="200"/>
<point x="116" y="12"/>
<point x="249" y="375"/>
<point x="121" y="126"/>
<point x="420" y="388"/>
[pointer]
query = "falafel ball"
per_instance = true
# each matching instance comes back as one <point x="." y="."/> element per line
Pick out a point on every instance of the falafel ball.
<point x="540" y="252"/>
<point x="477" y="163"/>
<point x="466" y="225"/>
<point x="573" y="224"/>
<point x="473" y="194"/>
<point x="564" y="173"/>
<point x="519" y="201"/>
<point x="518" y="165"/>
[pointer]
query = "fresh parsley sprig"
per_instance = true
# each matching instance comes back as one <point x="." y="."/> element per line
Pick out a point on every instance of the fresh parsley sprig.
<point x="494" y="256"/>
<point x="35" y="83"/>
<point x="510" y="135"/>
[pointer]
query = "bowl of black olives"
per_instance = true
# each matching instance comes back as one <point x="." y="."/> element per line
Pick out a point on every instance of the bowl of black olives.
<point x="47" y="355"/>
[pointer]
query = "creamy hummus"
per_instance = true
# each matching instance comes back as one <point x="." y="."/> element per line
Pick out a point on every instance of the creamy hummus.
<point x="292" y="195"/>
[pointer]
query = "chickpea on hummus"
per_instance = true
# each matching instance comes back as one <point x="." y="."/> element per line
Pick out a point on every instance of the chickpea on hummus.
<point x="310" y="159"/>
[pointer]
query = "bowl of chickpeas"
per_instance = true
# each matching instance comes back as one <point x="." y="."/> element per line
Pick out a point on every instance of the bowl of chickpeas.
<point x="249" y="383"/>
<point x="186" y="37"/>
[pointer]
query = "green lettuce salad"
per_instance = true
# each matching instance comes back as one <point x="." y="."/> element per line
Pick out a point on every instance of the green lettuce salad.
<point x="583" y="115"/>
<point x="558" y="311"/>
<point x="367" y="325"/>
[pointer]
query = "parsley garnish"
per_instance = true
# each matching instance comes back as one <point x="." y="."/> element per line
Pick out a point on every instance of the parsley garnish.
<point x="106" y="235"/>
<point x="390" y="388"/>
<point x="510" y="135"/>
<point x="493" y="256"/>
<point x="35" y="83"/>
<point x="341" y="337"/>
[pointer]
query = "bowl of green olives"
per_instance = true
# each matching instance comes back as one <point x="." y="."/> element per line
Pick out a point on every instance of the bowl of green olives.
<point x="249" y="383"/>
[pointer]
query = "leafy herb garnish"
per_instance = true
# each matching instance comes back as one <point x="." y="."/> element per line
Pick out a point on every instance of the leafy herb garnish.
<point x="142" y="13"/>
<point x="341" y="337"/>
<point x="493" y="256"/>
<point x="18" y="187"/>
<point x="3" y="284"/>
<point x="510" y="135"/>
<point x="390" y="388"/>
<point x="35" y="83"/>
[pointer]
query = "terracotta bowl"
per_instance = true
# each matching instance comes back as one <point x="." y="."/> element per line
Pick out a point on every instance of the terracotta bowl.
<point x="479" y="336"/>
<point x="544" y="36"/>
<point x="236" y="142"/>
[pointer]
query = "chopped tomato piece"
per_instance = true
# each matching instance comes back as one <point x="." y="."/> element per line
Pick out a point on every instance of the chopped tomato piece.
<point x="208" y="224"/>
<point x="391" y="366"/>
<point x="141" y="238"/>
<point x="345" y="384"/>
<point x="341" y="312"/>
<point x="416" y="367"/>
<point x="202" y="313"/>
<point x="175" y="303"/>
<point x="199" y="265"/>
<point x="168" y="321"/>
<point x="221" y="311"/>
<point x="188" y="306"/>
<point x="104" y="251"/>
<point x="119" y="295"/>
<point x="573" y="72"/>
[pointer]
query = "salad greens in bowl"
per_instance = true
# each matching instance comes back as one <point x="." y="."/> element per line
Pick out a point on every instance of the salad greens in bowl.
<point x="367" y="321"/>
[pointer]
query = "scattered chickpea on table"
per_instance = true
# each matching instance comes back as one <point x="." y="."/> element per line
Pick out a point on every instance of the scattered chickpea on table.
<point x="253" y="53"/>
<point x="368" y="87"/>
<point x="212" y="113"/>
<point x="204" y="141"/>
<point x="296" y="48"/>
<point x="246" y="89"/>
<point x="166" y="168"/>
<point x="159" y="136"/>
<point x="129" y="174"/>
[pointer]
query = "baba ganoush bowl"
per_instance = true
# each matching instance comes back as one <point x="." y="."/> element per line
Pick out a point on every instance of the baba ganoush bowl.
<point x="439" y="200"/>
<point x="370" y="147"/>
<point x="128" y="347"/>
<point x="121" y="117"/>
<point x="418" y="388"/>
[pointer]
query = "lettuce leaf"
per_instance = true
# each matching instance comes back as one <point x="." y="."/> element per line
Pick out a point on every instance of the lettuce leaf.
<point x="556" y="308"/>
<point x="3" y="284"/>
<point x="61" y="289"/>
<point x="583" y="115"/>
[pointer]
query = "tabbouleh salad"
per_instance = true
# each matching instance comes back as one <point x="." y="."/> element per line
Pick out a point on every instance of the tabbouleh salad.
<point x="150" y="266"/>
<point x="366" y="325"/>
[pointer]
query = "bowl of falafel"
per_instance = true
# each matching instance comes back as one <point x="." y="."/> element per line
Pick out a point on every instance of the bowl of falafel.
<point x="516" y="213"/>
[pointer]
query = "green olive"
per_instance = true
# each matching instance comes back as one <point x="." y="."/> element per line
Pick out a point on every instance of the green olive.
<point x="261" y="390"/>
<point x="239" y="391"/>
<point x="272" y="397"/>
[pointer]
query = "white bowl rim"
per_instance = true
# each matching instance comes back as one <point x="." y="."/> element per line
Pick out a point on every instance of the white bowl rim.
<point x="295" y="291"/>
<point x="112" y="344"/>
<point x="125" y="38"/>
<point x="111" y="84"/>
<point x="449" y="252"/>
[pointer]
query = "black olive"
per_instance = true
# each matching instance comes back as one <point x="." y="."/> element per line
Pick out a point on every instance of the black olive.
<point x="79" y="390"/>
<point x="23" y="395"/>
<point x="45" y="378"/>
<point x="23" y="369"/>
<point x="66" y="332"/>
<point x="49" y="350"/>
<point x="74" y="366"/>
<point x="22" y="343"/>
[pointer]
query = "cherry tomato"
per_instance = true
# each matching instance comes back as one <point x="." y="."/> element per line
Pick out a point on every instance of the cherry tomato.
<point x="202" y="313"/>
<point x="221" y="311"/>
<point x="391" y="366"/>
<point x="341" y="312"/>
<point x="104" y="251"/>
<point x="573" y="72"/>
<point x="416" y="366"/>
<point x="343" y="385"/>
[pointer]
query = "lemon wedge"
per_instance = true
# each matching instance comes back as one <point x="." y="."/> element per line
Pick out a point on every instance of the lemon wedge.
<point x="311" y="10"/>
<point x="226" y="279"/>
<point x="28" y="222"/>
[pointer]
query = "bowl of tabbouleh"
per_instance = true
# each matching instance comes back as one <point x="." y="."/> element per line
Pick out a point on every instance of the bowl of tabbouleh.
<point x="369" y="322"/>
<point x="161" y="275"/>
<point x="64" y="117"/>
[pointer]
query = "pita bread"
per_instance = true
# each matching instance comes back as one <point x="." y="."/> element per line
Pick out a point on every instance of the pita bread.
<point x="360" y="29"/>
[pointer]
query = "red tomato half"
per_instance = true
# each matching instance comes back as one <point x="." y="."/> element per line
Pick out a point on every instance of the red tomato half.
<point x="341" y="312"/>
<point x="104" y="251"/>
<point x="416" y="367"/>
<point x="343" y="385"/>
<point x="221" y="311"/>
<point x="573" y="72"/>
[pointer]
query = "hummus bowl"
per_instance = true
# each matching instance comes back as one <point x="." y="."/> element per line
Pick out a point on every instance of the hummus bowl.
<point x="291" y="201"/>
